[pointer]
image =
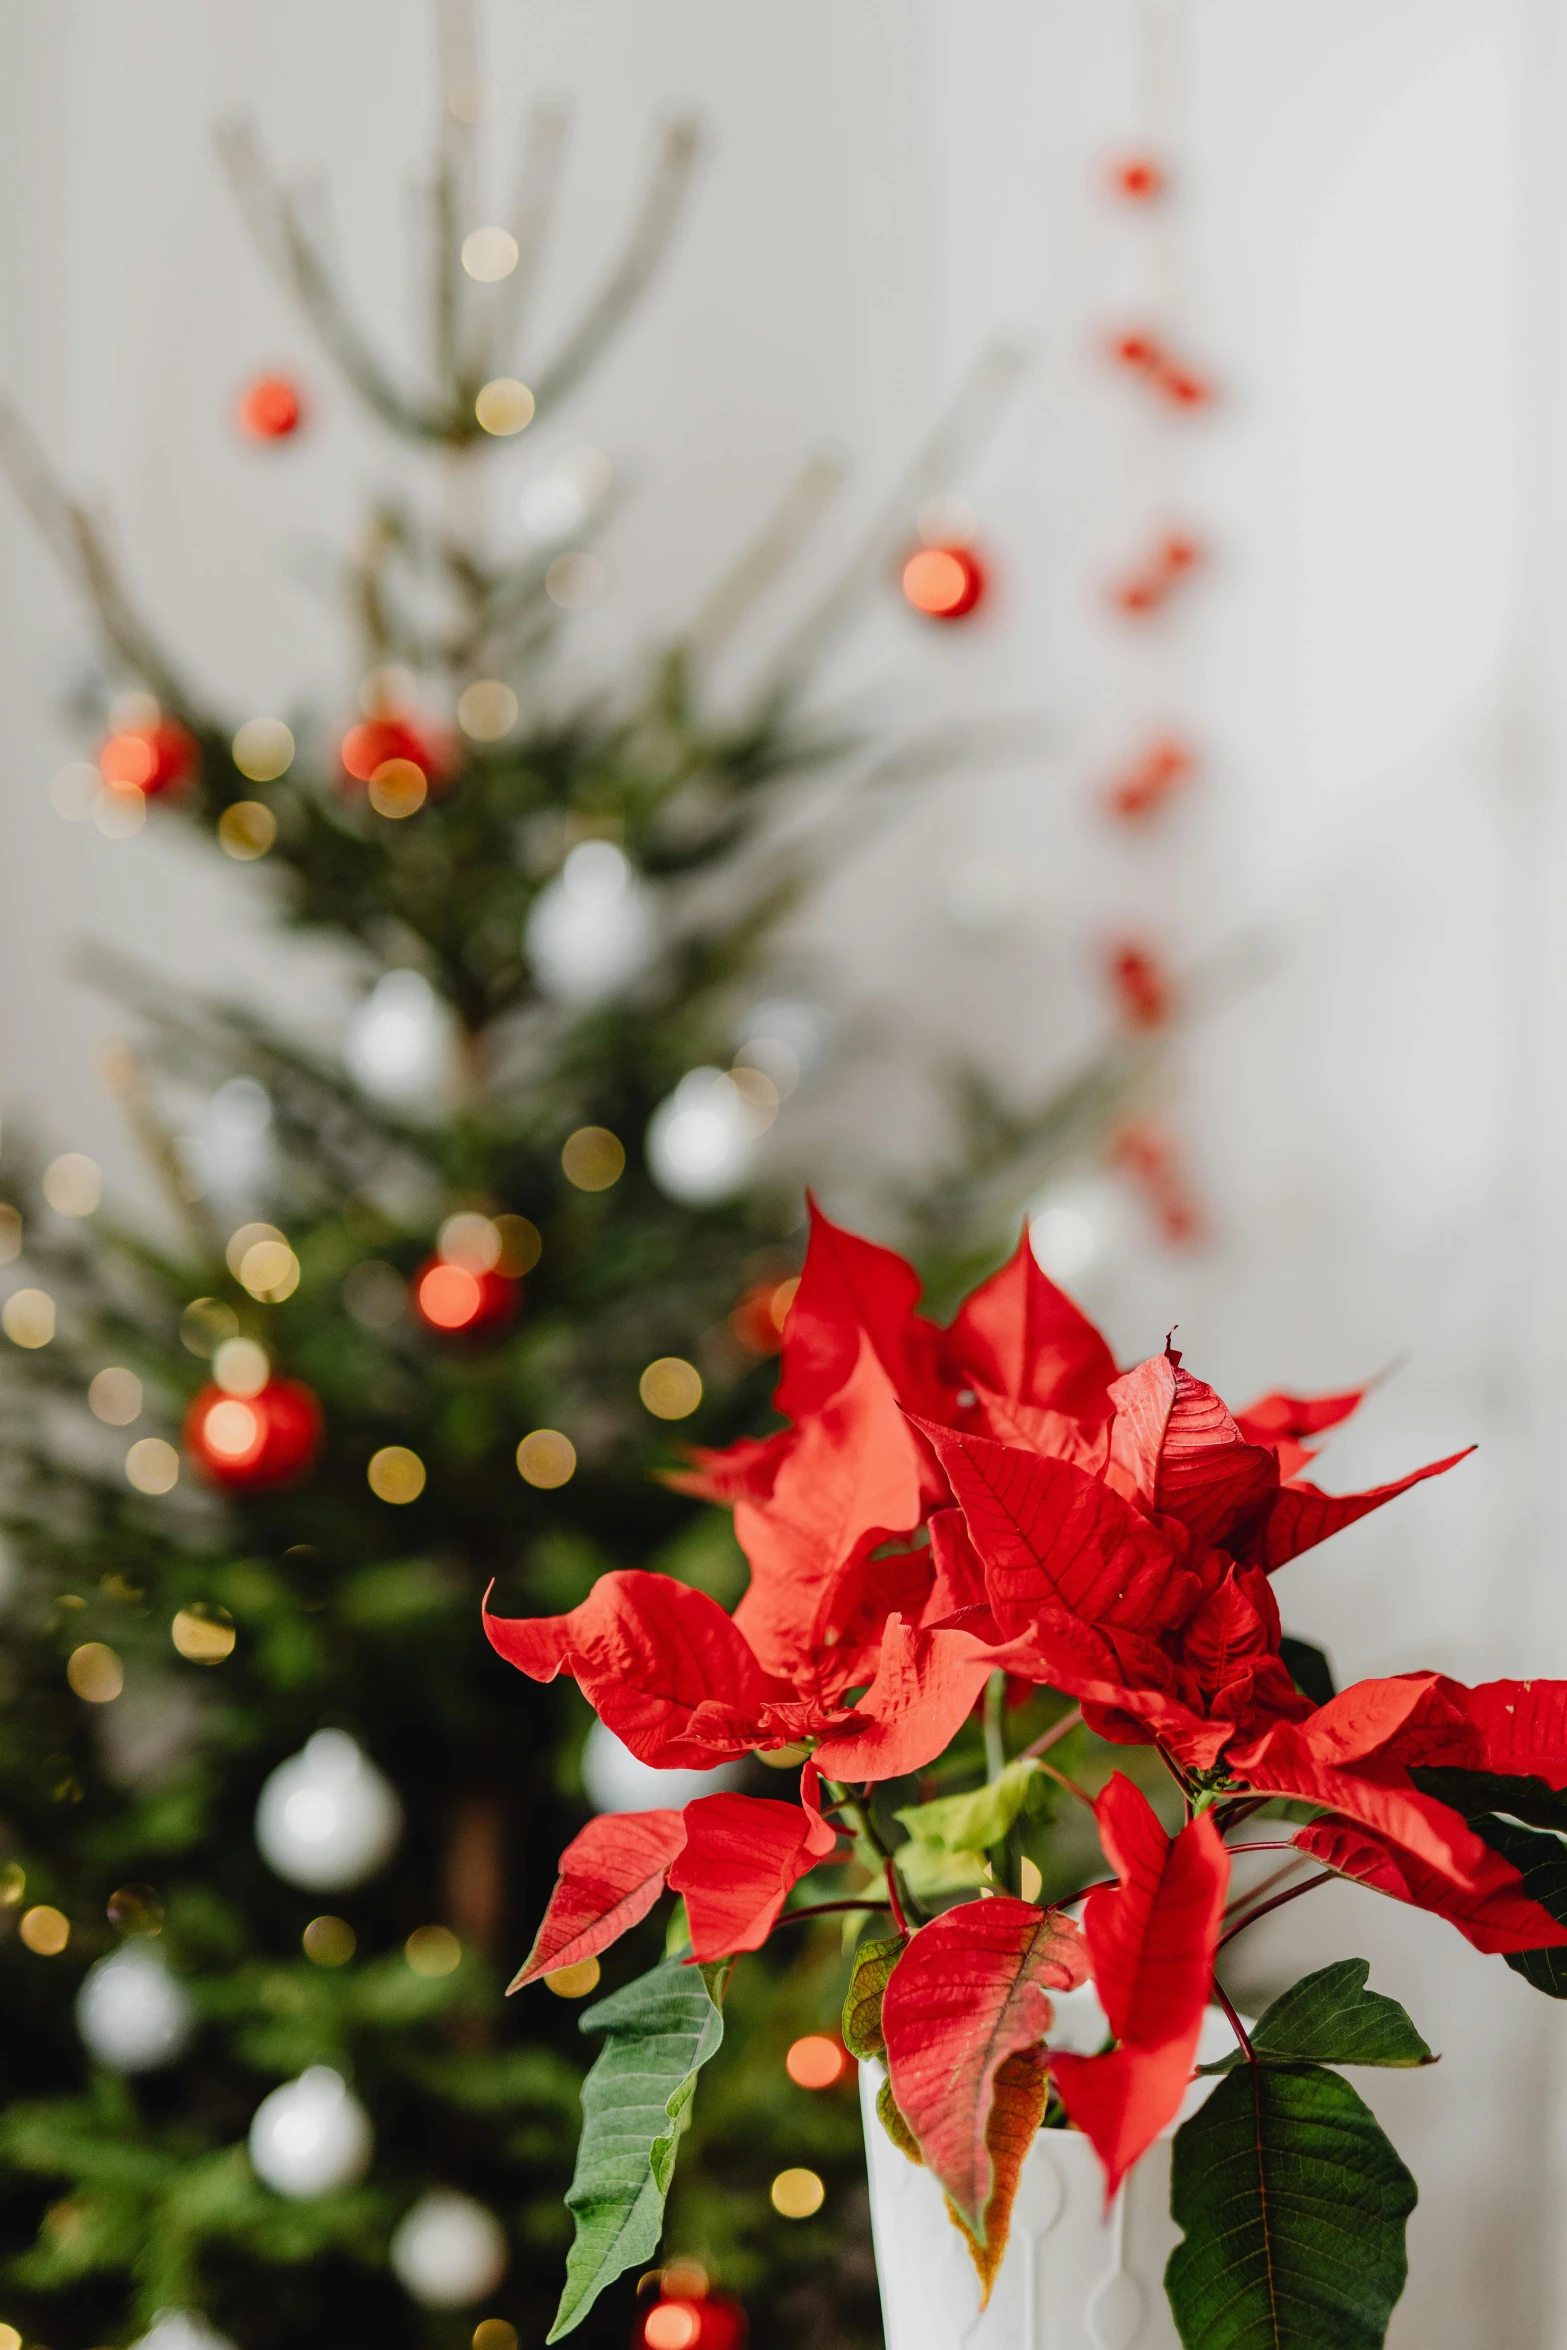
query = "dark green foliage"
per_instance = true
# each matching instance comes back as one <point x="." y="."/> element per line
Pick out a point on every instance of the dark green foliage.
<point x="1541" y="1861"/>
<point x="1293" y="2207"/>
<point x="1331" y="2018"/>
<point x="1309" y="1669"/>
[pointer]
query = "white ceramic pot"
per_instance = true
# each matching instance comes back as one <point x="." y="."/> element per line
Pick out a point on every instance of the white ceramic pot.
<point x="1074" y="2278"/>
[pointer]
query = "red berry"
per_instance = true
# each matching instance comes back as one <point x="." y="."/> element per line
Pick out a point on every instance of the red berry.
<point x="270" y="409"/>
<point x="944" y="583"/>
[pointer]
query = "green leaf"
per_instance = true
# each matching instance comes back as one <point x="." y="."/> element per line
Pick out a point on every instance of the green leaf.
<point x="873" y="1963"/>
<point x="961" y="1829"/>
<point x="1541" y="1861"/>
<point x="1476" y="1792"/>
<point x="635" y="2103"/>
<point x="1292" y="2206"/>
<point x="1308" y="1668"/>
<point x="1331" y="2018"/>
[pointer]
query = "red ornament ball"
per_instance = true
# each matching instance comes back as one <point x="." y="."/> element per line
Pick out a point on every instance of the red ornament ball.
<point x="944" y="583"/>
<point x="156" y="757"/>
<point x="715" y="2321"/>
<point x="253" y="1440"/>
<point x="1138" y="179"/>
<point x="270" y="409"/>
<point x="374" y="742"/>
<point x="459" y="1299"/>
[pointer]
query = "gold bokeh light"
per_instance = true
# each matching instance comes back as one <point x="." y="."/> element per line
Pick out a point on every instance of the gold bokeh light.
<point x="546" y="1459"/>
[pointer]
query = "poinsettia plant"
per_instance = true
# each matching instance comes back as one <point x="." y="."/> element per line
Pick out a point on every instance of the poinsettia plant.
<point x="949" y="1518"/>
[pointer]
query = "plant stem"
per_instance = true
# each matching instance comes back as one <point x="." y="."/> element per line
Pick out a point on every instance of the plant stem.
<point x="822" y="1909"/>
<point x="1053" y="1736"/>
<point x="1291" y="1893"/>
<point x="1236" y="2026"/>
<point x="858" y="1807"/>
<point x="1070" y="1785"/>
<point x="995" y="1731"/>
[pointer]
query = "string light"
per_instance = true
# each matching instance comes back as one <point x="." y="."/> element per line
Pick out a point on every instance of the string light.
<point x="546" y="1459"/>
<point x="487" y="710"/>
<point x="95" y="1673"/>
<point x="574" y="581"/>
<point x="398" y="788"/>
<point x="329" y="1941"/>
<point x="152" y="1466"/>
<point x="263" y="749"/>
<point x="433" y="1952"/>
<point x="593" y="1158"/>
<point x="240" y="1367"/>
<point x="489" y="254"/>
<point x="815" y="2062"/>
<point x="73" y="1184"/>
<point x="114" y="1396"/>
<point x="797" y="2193"/>
<point x="246" y="830"/>
<point x="203" y="1633"/>
<point x="670" y="1388"/>
<point x="44" y="1931"/>
<point x="395" y="1474"/>
<point x="471" y="1241"/>
<point x="504" y="406"/>
<point x="269" y="1269"/>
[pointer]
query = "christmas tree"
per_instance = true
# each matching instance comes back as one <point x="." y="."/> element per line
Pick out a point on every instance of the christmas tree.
<point x="277" y="1824"/>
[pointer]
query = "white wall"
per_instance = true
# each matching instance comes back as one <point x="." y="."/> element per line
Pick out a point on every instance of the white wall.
<point x="1373" y="267"/>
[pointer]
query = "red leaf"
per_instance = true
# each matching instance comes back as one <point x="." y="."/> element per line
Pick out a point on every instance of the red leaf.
<point x="849" y="1286"/>
<point x="923" y="1693"/>
<point x="610" y="1876"/>
<point x="1522" y="1727"/>
<point x="1037" y="1428"/>
<point x="1051" y="1536"/>
<point x="1298" y="1761"/>
<point x="742" y="1855"/>
<point x="1302" y="1515"/>
<point x="852" y="1479"/>
<point x="1181" y="1455"/>
<point x="1021" y="1336"/>
<point x="1278" y="1418"/>
<point x="959" y="1586"/>
<point x="1152" y="1943"/>
<point x="661" y="1665"/>
<point x="1495" y="1914"/>
<point x="970" y="1991"/>
<point x="742" y="1471"/>
<point x="1016" y="2111"/>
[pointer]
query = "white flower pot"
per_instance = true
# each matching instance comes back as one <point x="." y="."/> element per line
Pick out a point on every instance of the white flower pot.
<point x="1074" y="2277"/>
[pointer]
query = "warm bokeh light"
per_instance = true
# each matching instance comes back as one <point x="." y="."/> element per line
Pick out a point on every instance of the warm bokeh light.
<point x="489" y="254"/>
<point x="270" y="409"/>
<point x="546" y="1459"/>
<point x="10" y="2339"/>
<point x="73" y="1184"/>
<point x="203" y="1634"/>
<point x="395" y="1474"/>
<point x="13" y="1884"/>
<point x="329" y="1941"/>
<point x="521" y="1246"/>
<point x="797" y="2193"/>
<point x="1030" y="1878"/>
<point x="119" y="812"/>
<point x="263" y="749"/>
<point x="269" y="1269"/>
<point x="433" y="1951"/>
<point x="240" y="1367"/>
<point x="944" y="583"/>
<point x="231" y="1429"/>
<point x="27" y="1317"/>
<point x="491" y="2333"/>
<point x="95" y="1673"/>
<point x="449" y="1296"/>
<point x="374" y="1293"/>
<point x="487" y="710"/>
<point x="471" y="1241"/>
<point x="758" y="1092"/>
<point x="504" y="406"/>
<point x="1139" y="179"/>
<point x="672" y="2325"/>
<point x="815" y="2062"/>
<point x="593" y="1158"/>
<point x="574" y="581"/>
<point x="670" y="1388"/>
<point x="246" y="831"/>
<point x="45" y="1931"/>
<point x="684" y="2279"/>
<point x="73" y="791"/>
<point x="574" y="1982"/>
<point x="114" y="1396"/>
<point x="128" y="762"/>
<point x="135" y="1909"/>
<point x="238" y="1242"/>
<point x="398" y="788"/>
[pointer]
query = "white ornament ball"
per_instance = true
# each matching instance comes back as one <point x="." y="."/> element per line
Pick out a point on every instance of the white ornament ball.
<point x="592" y="932"/>
<point x="132" y="2013"/>
<point x="449" y="2251"/>
<point x="231" y="1153"/>
<point x="327" y="1818"/>
<point x="618" y="1780"/>
<point x="399" y="1046"/>
<point x="311" y="2136"/>
<point x="1080" y="1228"/>
<point x="701" y="1140"/>
<point x="182" y="2329"/>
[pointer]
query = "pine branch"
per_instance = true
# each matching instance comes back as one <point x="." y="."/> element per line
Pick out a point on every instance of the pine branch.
<point x="768" y="556"/>
<point x="539" y="176"/>
<point x="652" y="234"/>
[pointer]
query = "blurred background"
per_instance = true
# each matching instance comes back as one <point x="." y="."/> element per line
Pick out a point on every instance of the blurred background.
<point x="1321" y="360"/>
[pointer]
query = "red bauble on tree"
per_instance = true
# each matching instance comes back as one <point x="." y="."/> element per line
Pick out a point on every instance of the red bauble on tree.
<point x="157" y="755"/>
<point x="270" y="409"/>
<point x="944" y="582"/>
<point x="263" y="1439"/>
<point x="376" y="742"/>
<point x="463" y="1299"/>
<point x="676" y="2321"/>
